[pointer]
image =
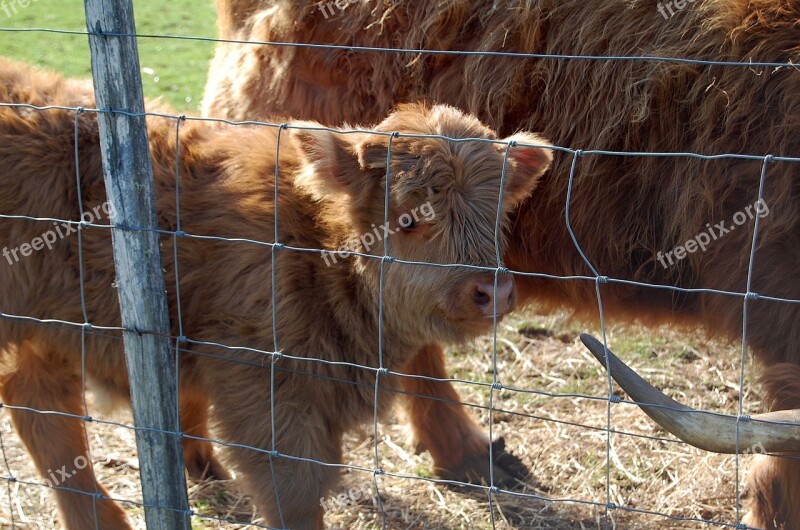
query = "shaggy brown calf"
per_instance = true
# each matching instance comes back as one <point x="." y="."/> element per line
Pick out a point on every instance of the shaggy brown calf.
<point x="443" y="209"/>
<point x="627" y="212"/>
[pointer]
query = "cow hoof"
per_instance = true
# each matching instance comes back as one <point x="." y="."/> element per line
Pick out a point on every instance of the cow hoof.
<point x="206" y="469"/>
<point x="509" y="470"/>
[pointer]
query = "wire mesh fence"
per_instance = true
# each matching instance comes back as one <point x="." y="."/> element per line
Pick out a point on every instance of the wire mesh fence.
<point x="269" y="357"/>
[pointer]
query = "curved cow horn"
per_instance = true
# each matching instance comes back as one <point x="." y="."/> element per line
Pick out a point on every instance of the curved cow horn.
<point x="771" y="432"/>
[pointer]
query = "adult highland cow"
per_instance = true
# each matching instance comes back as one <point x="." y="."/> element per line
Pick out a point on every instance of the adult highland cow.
<point x="627" y="212"/>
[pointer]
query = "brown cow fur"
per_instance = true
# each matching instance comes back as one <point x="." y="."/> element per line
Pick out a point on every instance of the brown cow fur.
<point x="451" y="461"/>
<point x="624" y="209"/>
<point x="331" y="189"/>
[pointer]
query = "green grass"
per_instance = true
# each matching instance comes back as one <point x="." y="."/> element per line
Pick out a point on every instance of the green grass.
<point x="173" y="69"/>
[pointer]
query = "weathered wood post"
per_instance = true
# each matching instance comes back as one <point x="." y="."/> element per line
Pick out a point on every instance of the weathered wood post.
<point x="128" y="178"/>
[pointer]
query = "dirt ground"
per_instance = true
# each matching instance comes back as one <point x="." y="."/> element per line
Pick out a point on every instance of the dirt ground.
<point x="551" y="423"/>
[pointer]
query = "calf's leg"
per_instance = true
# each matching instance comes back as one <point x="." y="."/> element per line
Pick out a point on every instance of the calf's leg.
<point x="441" y="425"/>
<point x="198" y="455"/>
<point x="287" y="488"/>
<point x="57" y="443"/>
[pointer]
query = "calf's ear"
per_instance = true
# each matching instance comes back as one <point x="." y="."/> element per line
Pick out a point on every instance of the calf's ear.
<point x="328" y="159"/>
<point x="525" y="165"/>
<point x="373" y="150"/>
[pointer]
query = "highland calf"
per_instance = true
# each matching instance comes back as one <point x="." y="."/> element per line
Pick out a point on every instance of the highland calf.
<point x="331" y="190"/>
<point x="626" y="211"/>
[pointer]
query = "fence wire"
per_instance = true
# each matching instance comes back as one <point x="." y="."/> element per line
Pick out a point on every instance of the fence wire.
<point x="184" y="344"/>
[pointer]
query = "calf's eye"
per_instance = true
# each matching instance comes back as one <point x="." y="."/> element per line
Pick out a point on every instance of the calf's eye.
<point x="407" y="223"/>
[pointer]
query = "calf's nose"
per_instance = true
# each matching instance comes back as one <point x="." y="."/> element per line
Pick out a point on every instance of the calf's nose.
<point x="484" y="296"/>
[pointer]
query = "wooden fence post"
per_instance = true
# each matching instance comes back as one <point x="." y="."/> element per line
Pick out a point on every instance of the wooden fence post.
<point x="128" y="178"/>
